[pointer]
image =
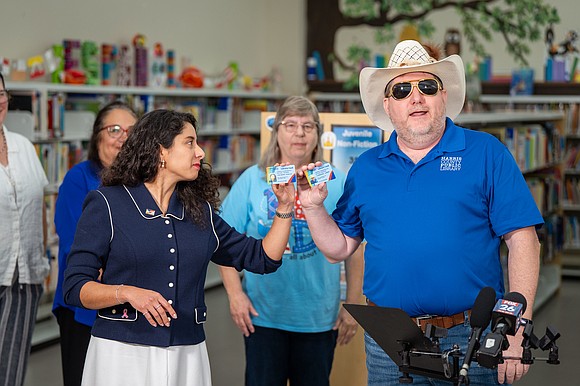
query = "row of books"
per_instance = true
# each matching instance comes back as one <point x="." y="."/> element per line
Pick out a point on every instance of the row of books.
<point x="220" y="114"/>
<point x="551" y="238"/>
<point x="230" y="152"/>
<point x="58" y="157"/>
<point x="572" y="157"/>
<point x="225" y="152"/>
<point x="52" y="244"/>
<point x="68" y="116"/>
<point x="572" y="119"/>
<point x="55" y="119"/>
<point x="532" y="146"/>
<point x="340" y="106"/>
<point x="570" y="111"/>
<point x="571" y="232"/>
<point x="214" y="114"/>
<point x="572" y="191"/>
<point x="546" y="192"/>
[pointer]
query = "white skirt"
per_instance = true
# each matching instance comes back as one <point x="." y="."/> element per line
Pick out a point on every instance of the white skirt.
<point x="112" y="363"/>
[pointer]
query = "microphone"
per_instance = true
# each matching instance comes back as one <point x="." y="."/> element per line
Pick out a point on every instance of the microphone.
<point x="479" y="320"/>
<point x="507" y="313"/>
<point x="506" y="319"/>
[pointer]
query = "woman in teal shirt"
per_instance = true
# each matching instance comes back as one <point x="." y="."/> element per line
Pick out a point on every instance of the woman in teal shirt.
<point x="290" y="319"/>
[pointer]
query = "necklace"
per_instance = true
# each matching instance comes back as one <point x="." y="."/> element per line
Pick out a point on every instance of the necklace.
<point x="159" y="205"/>
<point x="4" y="165"/>
<point x="4" y="152"/>
<point x="151" y="188"/>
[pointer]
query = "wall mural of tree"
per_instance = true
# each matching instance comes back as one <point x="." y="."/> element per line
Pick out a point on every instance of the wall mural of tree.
<point x="517" y="21"/>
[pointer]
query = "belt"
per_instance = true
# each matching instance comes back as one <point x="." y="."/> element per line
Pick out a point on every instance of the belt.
<point x="437" y="321"/>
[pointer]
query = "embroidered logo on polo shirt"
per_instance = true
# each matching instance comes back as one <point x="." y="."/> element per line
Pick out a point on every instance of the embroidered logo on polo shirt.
<point x="150" y="212"/>
<point x="450" y="164"/>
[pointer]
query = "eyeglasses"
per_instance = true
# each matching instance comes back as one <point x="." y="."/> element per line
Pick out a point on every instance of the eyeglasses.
<point x="402" y="90"/>
<point x="292" y="126"/>
<point x="4" y="96"/>
<point x="115" y="131"/>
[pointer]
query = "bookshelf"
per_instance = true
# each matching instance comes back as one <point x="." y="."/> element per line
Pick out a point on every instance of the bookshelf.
<point x="337" y="102"/>
<point x="63" y="114"/>
<point x="146" y="98"/>
<point x="535" y="140"/>
<point x="567" y="104"/>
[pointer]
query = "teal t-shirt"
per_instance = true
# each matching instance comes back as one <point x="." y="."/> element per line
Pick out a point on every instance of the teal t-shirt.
<point x="303" y="295"/>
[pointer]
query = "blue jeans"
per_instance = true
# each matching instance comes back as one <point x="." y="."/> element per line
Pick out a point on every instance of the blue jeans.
<point x="382" y="371"/>
<point x="275" y="356"/>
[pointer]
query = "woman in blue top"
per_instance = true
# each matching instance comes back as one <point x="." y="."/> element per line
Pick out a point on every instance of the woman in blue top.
<point x="141" y="251"/>
<point x="290" y="319"/>
<point x="110" y="131"/>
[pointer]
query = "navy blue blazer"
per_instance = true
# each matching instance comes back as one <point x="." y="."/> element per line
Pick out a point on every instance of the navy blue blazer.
<point x="122" y="231"/>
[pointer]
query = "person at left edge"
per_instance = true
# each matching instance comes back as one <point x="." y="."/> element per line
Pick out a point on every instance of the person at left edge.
<point x="152" y="229"/>
<point x="22" y="258"/>
<point x="110" y="130"/>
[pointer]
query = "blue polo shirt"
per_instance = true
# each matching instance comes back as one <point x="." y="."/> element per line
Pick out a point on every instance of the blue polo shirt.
<point x="433" y="229"/>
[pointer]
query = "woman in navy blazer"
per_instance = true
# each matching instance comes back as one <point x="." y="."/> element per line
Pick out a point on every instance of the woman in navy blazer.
<point x="110" y="130"/>
<point x="152" y="229"/>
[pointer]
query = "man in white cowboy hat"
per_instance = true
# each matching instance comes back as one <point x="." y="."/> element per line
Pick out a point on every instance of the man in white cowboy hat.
<point x="433" y="204"/>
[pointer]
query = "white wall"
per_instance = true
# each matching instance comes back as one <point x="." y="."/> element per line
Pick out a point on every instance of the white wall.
<point x="258" y="34"/>
<point x="502" y="62"/>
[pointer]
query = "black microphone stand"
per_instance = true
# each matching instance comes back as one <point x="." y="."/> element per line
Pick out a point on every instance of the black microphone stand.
<point x="418" y="352"/>
<point x="450" y="372"/>
<point x="530" y="342"/>
<point x="546" y="343"/>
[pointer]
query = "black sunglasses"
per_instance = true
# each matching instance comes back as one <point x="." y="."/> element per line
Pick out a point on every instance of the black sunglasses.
<point x="402" y="90"/>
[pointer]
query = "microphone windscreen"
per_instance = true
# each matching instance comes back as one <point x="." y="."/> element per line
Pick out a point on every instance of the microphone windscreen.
<point x="518" y="298"/>
<point x="482" y="308"/>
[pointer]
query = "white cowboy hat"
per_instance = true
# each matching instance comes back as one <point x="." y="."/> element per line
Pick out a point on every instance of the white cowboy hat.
<point x="411" y="56"/>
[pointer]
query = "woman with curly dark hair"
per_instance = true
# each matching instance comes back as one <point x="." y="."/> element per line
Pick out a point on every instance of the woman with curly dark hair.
<point x="152" y="229"/>
<point x="110" y="130"/>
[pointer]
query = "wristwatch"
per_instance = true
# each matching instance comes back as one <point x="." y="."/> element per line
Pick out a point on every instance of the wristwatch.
<point x="284" y="215"/>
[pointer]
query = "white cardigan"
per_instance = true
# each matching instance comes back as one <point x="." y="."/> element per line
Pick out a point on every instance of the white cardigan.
<point x="22" y="185"/>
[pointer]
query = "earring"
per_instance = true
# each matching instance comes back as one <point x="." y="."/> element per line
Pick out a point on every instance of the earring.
<point x="162" y="164"/>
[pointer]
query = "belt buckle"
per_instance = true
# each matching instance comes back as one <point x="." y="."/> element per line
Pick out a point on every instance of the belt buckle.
<point x="423" y="317"/>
